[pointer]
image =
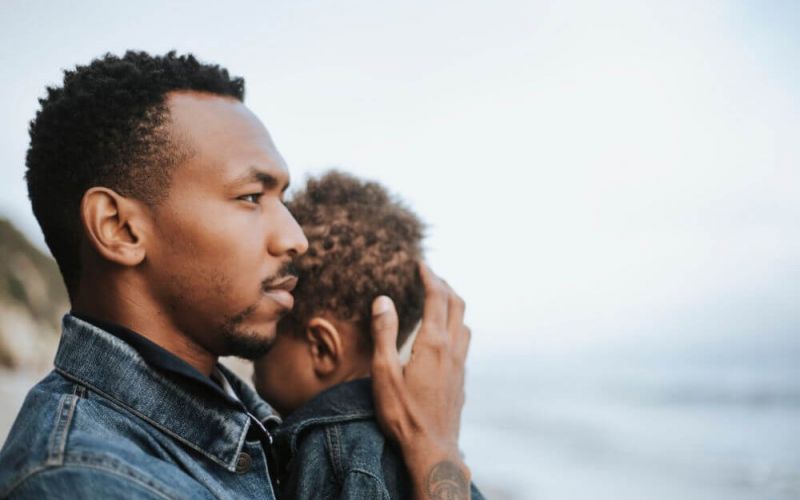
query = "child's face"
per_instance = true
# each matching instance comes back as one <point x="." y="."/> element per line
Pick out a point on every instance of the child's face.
<point x="284" y="377"/>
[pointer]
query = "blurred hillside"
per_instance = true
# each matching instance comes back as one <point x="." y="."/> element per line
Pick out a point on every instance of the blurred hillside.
<point x="32" y="301"/>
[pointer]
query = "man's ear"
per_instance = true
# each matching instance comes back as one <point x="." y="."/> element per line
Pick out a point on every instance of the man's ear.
<point x="325" y="346"/>
<point x="114" y="225"/>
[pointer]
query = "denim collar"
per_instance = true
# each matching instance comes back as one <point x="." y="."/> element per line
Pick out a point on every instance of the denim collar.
<point x="155" y="355"/>
<point x="213" y="425"/>
<point x="344" y="402"/>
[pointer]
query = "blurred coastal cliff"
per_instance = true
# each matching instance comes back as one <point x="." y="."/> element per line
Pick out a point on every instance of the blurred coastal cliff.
<point x="32" y="301"/>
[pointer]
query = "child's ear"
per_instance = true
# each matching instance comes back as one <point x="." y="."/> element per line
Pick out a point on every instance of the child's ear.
<point x="325" y="346"/>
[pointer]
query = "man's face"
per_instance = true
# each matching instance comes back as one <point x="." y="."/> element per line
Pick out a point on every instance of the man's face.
<point x="219" y="261"/>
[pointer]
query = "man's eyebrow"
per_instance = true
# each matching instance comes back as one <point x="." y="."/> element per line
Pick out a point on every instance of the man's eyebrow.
<point x="268" y="180"/>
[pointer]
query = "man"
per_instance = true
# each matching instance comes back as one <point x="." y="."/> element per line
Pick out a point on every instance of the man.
<point x="160" y="196"/>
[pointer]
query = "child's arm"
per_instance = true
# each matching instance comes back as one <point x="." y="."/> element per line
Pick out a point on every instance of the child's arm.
<point x="419" y="405"/>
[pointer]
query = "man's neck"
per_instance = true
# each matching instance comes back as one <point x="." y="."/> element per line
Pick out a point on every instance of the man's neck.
<point x="141" y="316"/>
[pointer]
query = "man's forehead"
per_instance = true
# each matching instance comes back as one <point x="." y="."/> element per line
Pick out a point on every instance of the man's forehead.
<point x="227" y="137"/>
<point x="206" y="116"/>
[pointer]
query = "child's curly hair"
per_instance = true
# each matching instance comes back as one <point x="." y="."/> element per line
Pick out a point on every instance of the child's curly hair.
<point x="362" y="243"/>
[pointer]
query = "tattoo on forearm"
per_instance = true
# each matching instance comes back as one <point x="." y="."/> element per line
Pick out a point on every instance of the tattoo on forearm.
<point x="447" y="481"/>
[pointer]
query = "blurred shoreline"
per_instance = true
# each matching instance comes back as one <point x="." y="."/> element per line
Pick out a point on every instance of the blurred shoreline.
<point x="630" y="429"/>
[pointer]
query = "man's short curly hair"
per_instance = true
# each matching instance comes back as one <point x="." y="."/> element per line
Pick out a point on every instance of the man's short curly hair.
<point x="107" y="126"/>
<point x="362" y="243"/>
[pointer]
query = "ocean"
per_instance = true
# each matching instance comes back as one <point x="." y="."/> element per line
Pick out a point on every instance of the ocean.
<point x="570" y="429"/>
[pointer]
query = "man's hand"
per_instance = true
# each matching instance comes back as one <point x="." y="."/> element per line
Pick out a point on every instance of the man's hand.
<point x="419" y="405"/>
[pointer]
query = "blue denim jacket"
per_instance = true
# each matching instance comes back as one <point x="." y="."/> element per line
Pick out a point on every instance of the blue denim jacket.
<point x="105" y="424"/>
<point x="332" y="447"/>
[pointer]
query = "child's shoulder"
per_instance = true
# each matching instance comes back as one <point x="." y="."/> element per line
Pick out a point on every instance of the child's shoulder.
<point x="344" y="414"/>
<point x="334" y="442"/>
<point x="337" y="445"/>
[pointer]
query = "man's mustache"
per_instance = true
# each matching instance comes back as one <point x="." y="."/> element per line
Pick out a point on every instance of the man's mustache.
<point x="288" y="270"/>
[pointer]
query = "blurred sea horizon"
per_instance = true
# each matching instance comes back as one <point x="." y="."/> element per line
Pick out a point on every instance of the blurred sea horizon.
<point x="617" y="425"/>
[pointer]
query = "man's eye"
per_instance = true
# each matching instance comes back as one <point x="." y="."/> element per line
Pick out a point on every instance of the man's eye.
<point x="252" y="197"/>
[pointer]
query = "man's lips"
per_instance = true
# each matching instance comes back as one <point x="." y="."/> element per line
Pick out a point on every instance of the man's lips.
<point x="286" y="283"/>
<point x="280" y="291"/>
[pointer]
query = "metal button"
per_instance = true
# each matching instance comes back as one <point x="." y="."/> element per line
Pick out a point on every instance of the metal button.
<point x="243" y="463"/>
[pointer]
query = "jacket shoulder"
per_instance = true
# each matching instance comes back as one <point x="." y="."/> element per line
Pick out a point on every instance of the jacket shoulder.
<point x="31" y="436"/>
<point x="64" y="435"/>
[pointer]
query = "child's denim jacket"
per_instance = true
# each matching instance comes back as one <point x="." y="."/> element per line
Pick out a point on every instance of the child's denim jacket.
<point x="332" y="447"/>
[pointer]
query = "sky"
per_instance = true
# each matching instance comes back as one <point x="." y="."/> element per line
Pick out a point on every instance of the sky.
<point x="591" y="172"/>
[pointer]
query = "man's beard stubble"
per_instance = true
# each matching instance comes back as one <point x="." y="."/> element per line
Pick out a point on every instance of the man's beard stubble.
<point x="250" y="344"/>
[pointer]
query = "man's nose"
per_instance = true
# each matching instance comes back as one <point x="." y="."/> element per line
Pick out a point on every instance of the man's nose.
<point x="287" y="236"/>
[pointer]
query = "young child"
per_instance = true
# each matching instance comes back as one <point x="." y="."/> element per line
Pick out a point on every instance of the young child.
<point x="362" y="244"/>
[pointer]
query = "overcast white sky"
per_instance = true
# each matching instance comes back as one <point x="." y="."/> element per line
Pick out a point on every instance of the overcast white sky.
<point x="589" y="170"/>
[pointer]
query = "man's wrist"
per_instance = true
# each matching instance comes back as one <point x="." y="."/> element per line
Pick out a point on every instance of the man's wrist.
<point x="437" y="470"/>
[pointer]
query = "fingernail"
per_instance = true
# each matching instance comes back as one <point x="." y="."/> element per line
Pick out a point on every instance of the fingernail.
<point x="381" y="305"/>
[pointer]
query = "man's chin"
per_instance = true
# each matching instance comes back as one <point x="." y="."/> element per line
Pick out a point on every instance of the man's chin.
<point x="249" y="343"/>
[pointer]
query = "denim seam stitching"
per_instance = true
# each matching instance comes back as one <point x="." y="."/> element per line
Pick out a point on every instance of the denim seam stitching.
<point x="65" y="431"/>
<point x="51" y="440"/>
<point x="334" y="451"/>
<point x="30" y="471"/>
<point x="45" y="468"/>
<point x="213" y="458"/>
<point x="58" y="438"/>
<point x="295" y="429"/>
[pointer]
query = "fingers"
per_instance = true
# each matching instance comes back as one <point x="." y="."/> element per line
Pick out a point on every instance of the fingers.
<point x="434" y="314"/>
<point x="387" y="373"/>
<point x="461" y="342"/>
<point x="444" y="311"/>
<point x="384" y="336"/>
<point x="460" y="333"/>
<point x="455" y="314"/>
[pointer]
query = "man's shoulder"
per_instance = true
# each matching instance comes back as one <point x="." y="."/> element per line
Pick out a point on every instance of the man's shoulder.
<point x="31" y="437"/>
<point x="64" y="436"/>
